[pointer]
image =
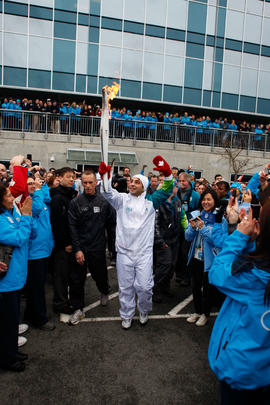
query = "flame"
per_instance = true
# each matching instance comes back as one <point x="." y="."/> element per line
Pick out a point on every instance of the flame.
<point x="112" y="90"/>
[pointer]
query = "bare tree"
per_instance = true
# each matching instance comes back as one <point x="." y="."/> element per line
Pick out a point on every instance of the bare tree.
<point x="238" y="163"/>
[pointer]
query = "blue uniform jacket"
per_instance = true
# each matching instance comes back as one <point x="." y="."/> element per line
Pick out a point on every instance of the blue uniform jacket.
<point x="15" y="231"/>
<point x="239" y="348"/>
<point x="41" y="240"/>
<point x="254" y="184"/>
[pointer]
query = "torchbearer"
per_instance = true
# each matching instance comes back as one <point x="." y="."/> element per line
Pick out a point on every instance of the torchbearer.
<point x="135" y="238"/>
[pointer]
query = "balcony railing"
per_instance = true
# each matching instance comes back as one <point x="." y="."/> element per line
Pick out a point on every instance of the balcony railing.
<point x="47" y="123"/>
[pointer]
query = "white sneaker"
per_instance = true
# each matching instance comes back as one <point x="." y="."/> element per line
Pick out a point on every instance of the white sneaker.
<point x="193" y="318"/>
<point x="202" y="320"/>
<point x="143" y="318"/>
<point x="126" y="323"/>
<point x="64" y="318"/>
<point x="21" y="341"/>
<point x="76" y="317"/>
<point x="23" y="327"/>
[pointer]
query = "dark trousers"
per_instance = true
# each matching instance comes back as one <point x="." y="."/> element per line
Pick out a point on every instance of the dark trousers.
<point x="9" y="321"/>
<point x="201" y="289"/>
<point x="230" y="396"/>
<point x="96" y="264"/>
<point x="165" y="262"/>
<point x="181" y="270"/>
<point x="63" y="264"/>
<point x="35" y="311"/>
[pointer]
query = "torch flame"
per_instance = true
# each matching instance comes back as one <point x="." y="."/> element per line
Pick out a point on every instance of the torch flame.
<point x="112" y="90"/>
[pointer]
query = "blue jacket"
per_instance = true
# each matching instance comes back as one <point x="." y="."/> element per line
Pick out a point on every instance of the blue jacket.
<point x="239" y="348"/>
<point x="15" y="231"/>
<point x="254" y="184"/>
<point x="191" y="235"/>
<point x="41" y="242"/>
<point x="190" y="201"/>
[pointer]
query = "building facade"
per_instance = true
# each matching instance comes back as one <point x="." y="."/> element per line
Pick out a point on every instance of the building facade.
<point x="213" y="54"/>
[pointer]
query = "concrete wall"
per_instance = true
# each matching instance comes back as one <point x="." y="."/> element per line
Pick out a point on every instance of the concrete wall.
<point x="202" y="158"/>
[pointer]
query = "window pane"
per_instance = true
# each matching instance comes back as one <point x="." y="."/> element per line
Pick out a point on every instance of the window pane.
<point x="14" y="76"/>
<point x="66" y="5"/>
<point x="41" y="12"/>
<point x="175" y="47"/>
<point x="231" y="79"/>
<point x="64" y="30"/>
<point x="195" y="38"/>
<point x="92" y="84"/>
<point x="266" y="32"/>
<point x="249" y="82"/>
<point x="130" y="89"/>
<point x="208" y="75"/>
<point x="82" y="58"/>
<point x="94" y="21"/>
<point x="193" y="73"/>
<point x="237" y="5"/>
<point x="229" y="101"/>
<point x="172" y="94"/>
<point x="195" y="50"/>
<point x="65" y="16"/>
<point x="177" y="35"/>
<point x="134" y="10"/>
<point x="112" y="8"/>
<point x="16" y="8"/>
<point x="82" y="33"/>
<point x="197" y="17"/>
<point x="132" y="64"/>
<point x="153" y="67"/>
<point x="136" y="28"/>
<point x="95" y="7"/>
<point x="254" y="7"/>
<point x="110" y="58"/>
<point x="207" y="98"/>
<point x="109" y="37"/>
<point x="154" y="44"/>
<point x="177" y="14"/>
<point x="44" y="3"/>
<point x="217" y="76"/>
<point x="250" y="60"/>
<point x="263" y="106"/>
<point x="152" y="91"/>
<point x="232" y="57"/>
<point x="80" y="83"/>
<point x="83" y="19"/>
<point x="15" y="46"/>
<point x="154" y="31"/>
<point x="93" y="59"/>
<point x="174" y="71"/>
<point x="14" y="23"/>
<point x="132" y="41"/>
<point x="216" y="99"/>
<point x="253" y="28"/>
<point x="40" y="27"/>
<point x="93" y="34"/>
<point x="233" y="45"/>
<point x="156" y="12"/>
<point x="192" y="96"/>
<point x="111" y="24"/>
<point x="105" y="81"/>
<point x="247" y="103"/>
<point x="209" y="53"/>
<point x="211" y="21"/>
<point x="83" y="6"/>
<point x="235" y="24"/>
<point x="40" y="53"/>
<point x="39" y="79"/>
<point x="265" y="63"/>
<point x="63" y="81"/>
<point x="264" y="80"/>
<point x="251" y="48"/>
<point x="63" y="56"/>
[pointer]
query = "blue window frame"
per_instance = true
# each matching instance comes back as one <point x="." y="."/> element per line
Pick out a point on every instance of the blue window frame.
<point x="216" y="99"/>
<point x="219" y="55"/>
<point x="83" y="19"/>
<point x="63" y="56"/>
<point x="197" y="17"/>
<point x="95" y="7"/>
<point x="252" y="48"/>
<point x="94" y="34"/>
<point x="134" y="27"/>
<point x="177" y="35"/>
<point x="210" y="40"/>
<point x="152" y="91"/>
<point x="154" y="31"/>
<point x="63" y="81"/>
<point x="263" y="106"/>
<point x="221" y="21"/>
<point x="42" y="13"/>
<point x="220" y="42"/>
<point x="192" y="96"/>
<point x="265" y="50"/>
<point x="217" y="76"/>
<point x="195" y="38"/>
<point x="207" y="98"/>
<point x="130" y="88"/>
<point x="233" y="45"/>
<point x="64" y="30"/>
<point x="195" y="50"/>
<point x="230" y="101"/>
<point x="14" y="76"/>
<point x="65" y="16"/>
<point x="172" y="94"/>
<point x="39" y="79"/>
<point x="66" y="5"/>
<point x="94" y="21"/>
<point x="93" y="59"/>
<point x="16" y="8"/>
<point x="193" y="73"/>
<point x="80" y="83"/>
<point x="111" y="24"/>
<point x="248" y="104"/>
<point x="92" y="84"/>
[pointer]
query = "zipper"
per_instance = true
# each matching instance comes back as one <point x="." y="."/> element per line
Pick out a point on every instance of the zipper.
<point x="219" y="346"/>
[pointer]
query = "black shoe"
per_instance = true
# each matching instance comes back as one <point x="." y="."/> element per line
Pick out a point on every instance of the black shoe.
<point x="167" y="291"/>
<point x="48" y="326"/>
<point x="184" y="283"/>
<point x="22" y="356"/>
<point x="157" y="298"/>
<point x="17" y="366"/>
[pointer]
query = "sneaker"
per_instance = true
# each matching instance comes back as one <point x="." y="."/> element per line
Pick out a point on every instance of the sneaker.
<point x="143" y="318"/>
<point x="76" y="317"/>
<point x="64" y="318"/>
<point x="126" y="323"/>
<point x="21" y="341"/>
<point x="193" y="318"/>
<point x="48" y="326"/>
<point x="23" y="327"/>
<point x="104" y="298"/>
<point x="202" y="320"/>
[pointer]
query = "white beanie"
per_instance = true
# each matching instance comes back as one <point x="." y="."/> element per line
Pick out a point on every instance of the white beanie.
<point x="144" y="180"/>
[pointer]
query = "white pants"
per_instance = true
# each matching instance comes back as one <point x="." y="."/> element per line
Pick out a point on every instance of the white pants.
<point x="135" y="276"/>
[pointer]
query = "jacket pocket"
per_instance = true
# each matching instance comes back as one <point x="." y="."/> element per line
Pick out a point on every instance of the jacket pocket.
<point x="220" y="343"/>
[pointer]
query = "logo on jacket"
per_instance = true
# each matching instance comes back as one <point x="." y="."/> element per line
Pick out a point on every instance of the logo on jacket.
<point x="266" y="317"/>
<point x="96" y="210"/>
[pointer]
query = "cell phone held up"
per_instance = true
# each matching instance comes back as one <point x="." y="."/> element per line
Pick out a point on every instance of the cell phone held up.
<point x="256" y="208"/>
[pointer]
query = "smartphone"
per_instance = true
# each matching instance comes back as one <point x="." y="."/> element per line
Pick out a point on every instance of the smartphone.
<point x="234" y="195"/>
<point x="256" y="208"/>
<point x="29" y="157"/>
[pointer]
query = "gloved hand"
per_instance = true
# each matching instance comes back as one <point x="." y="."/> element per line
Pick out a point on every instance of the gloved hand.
<point x="103" y="169"/>
<point x="162" y="166"/>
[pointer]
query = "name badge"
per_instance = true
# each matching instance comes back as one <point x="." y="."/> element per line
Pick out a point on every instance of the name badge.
<point x="96" y="210"/>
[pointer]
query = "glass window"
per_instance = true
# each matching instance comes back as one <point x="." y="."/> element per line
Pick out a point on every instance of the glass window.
<point x="156" y="12"/>
<point x="266" y="51"/>
<point x="231" y="79"/>
<point x="208" y="75"/>
<point x="130" y="88"/>
<point x="63" y="81"/>
<point x="14" y="76"/>
<point x="15" y="23"/>
<point x="174" y="47"/>
<point x="39" y="79"/>
<point x="83" y="6"/>
<point x="136" y="28"/>
<point x="209" y="53"/>
<point x="247" y="103"/>
<point x="193" y="73"/>
<point x="263" y="106"/>
<point x="174" y="70"/>
<point x="94" y="34"/>
<point x="197" y="17"/>
<point x="210" y="40"/>
<point x="263" y="89"/>
<point x="252" y="48"/>
<point x="233" y="45"/>
<point x="82" y="33"/>
<point x="111" y="24"/>
<point x="63" y="56"/>
<point x="112" y="8"/>
<point x="16" y="8"/>
<point x="154" y="44"/>
<point x="172" y="94"/>
<point x="80" y="83"/>
<point x="265" y="63"/>
<point x="66" y="5"/>
<point x="217" y="76"/>
<point x="93" y="59"/>
<point x="95" y="7"/>
<point x="211" y="20"/>
<point x="153" y="67"/>
<point x="40" y="53"/>
<point x="92" y="84"/>
<point x="44" y="3"/>
<point x="18" y="44"/>
<point x="65" y="16"/>
<point x="254" y="7"/>
<point x="134" y="10"/>
<point x="109" y="61"/>
<point x="152" y="91"/>
<point x="207" y="98"/>
<point x="1" y="52"/>
<point x="103" y="81"/>
<point x="132" y="41"/>
<point x="219" y="55"/>
<point x="83" y="19"/>
<point x="222" y="3"/>
<point x="82" y="58"/>
<point x="221" y="21"/>
<point x="195" y="50"/>
<point x="253" y="28"/>
<point x="132" y="64"/>
<point x="267" y="9"/>
<point x="178" y="35"/>
<point x="109" y="37"/>
<point x="177" y="14"/>
<point x="40" y="27"/>
<point x="216" y="99"/>
<point x="41" y="12"/>
<point x="94" y="21"/>
<point x="192" y="96"/>
<point x="234" y="25"/>
<point x="250" y="60"/>
<point x="155" y="31"/>
<point x="195" y="38"/>
<point x="249" y="82"/>
<point x="266" y="32"/>
<point x="237" y="5"/>
<point x="229" y="101"/>
<point x="64" y="30"/>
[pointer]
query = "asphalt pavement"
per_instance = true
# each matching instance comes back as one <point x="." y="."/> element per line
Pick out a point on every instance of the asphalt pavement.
<point x="97" y="362"/>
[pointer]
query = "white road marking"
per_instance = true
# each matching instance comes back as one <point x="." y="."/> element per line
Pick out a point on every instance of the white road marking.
<point x="180" y="306"/>
<point x="97" y="303"/>
<point x="110" y="267"/>
<point x="158" y="317"/>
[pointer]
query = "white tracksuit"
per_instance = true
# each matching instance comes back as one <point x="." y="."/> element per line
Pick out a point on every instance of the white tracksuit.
<point x="134" y="246"/>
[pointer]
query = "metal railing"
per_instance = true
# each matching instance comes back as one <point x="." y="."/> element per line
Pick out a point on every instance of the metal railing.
<point x="47" y="123"/>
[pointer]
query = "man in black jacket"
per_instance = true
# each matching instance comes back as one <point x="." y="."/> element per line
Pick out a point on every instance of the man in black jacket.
<point x="64" y="260"/>
<point x="89" y="215"/>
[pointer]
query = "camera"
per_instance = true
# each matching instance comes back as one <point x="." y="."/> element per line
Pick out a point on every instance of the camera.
<point x="119" y="183"/>
<point x="267" y="170"/>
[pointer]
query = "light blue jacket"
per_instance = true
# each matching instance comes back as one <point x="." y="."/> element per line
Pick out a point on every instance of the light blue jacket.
<point x="41" y="240"/>
<point x="15" y="231"/>
<point x="239" y="348"/>
<point x="254" y="184"/>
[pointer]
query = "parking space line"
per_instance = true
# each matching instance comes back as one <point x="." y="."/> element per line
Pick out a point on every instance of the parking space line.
<point x="97" y="303"/>
<point x="180" y="306"/>
<point x="153" y="317"/>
